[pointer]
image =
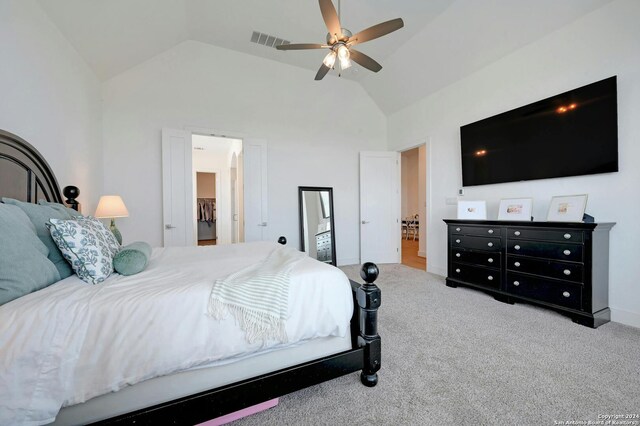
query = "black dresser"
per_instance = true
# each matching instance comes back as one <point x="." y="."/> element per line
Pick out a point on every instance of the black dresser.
<point x="323" y="246"/>
<point x="559" y="265"/>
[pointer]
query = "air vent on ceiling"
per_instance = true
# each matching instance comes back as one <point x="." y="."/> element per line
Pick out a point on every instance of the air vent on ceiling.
<point x="267" y="40"/>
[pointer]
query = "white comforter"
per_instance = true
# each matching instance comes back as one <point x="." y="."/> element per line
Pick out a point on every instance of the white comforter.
<point x="72" y="341"/>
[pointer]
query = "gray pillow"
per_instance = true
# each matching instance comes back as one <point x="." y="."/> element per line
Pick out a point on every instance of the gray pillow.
<point x="40" y="216"/>
<point x="132" y="258"/>
<point x="24" y="267"/>
<point x="73" y="214"/>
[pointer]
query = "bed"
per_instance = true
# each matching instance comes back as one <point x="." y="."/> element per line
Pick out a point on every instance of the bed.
<point x="189" y="384"/>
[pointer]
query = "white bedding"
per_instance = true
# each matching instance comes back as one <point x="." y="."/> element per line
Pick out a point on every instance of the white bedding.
<point x="72" y="341"/>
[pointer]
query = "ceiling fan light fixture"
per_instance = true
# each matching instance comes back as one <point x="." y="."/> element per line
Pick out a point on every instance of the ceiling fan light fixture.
<point x="330" y="59"/>
<point x="343" y="52"/>
<point x="341" y="40"/>
<point x="345" y="63"/>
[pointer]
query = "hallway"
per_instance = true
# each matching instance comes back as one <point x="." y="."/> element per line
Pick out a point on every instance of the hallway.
<point x="410" y="255"/>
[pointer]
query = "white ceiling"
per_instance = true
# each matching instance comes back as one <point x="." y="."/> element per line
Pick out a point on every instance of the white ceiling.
<point x="442" y="41"/>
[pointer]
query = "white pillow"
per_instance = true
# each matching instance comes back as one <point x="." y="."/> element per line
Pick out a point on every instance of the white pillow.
<point x="87" y="245"/>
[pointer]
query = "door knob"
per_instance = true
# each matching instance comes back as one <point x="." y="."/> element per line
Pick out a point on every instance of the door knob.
<point x="364" y="222"/>
<point x="262" y="224"/>
<point x="169" y="227"/>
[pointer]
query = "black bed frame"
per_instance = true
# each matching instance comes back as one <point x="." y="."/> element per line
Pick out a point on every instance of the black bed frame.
<point x="25" y="175"/>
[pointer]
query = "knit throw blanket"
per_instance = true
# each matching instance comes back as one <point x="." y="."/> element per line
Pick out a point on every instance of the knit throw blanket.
<point x="258" y="296"/>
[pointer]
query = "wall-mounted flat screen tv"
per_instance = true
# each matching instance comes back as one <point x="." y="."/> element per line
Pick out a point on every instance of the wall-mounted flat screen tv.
<point x="574" y="133"/>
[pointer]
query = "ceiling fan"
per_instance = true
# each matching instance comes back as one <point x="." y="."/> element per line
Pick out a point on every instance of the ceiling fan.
<point x="340" y="41"/>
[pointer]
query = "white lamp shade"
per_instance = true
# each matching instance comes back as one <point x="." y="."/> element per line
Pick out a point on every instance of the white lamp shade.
<point x="111" y="206"/>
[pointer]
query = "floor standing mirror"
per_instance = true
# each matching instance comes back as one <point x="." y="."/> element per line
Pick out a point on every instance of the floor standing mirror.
<point x="317" y="233"/>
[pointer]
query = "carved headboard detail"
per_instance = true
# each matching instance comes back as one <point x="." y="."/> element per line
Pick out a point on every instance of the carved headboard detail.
<point x="24" y="173"/>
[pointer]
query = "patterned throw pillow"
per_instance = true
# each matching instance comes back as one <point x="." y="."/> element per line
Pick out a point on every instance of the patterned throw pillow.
<point x="87" y="245"/>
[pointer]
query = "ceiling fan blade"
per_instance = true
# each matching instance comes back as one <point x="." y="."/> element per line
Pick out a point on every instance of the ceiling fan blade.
<point x="331" y="19"/>
<point x="365" y="60"/>
<point x="322" y="72"/>
<point x="376" y="31"/>
<point x="301" y="46"/>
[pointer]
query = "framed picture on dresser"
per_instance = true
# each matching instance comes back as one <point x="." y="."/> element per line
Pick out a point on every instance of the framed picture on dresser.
<point x="567" y="208"/>
<point x="474" y="210"/>
<point x="515" y="209"/>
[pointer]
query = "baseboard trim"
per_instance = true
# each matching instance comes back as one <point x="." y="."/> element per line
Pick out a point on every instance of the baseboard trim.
<point x="422" y="254"/>
<point x="438" y="271"/>
<point x="348" y="261"/>
<point x="625" y="317"/>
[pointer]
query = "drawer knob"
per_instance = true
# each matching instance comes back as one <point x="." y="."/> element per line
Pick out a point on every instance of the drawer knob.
<point x="517" y="233"/>
<point x="567" y="252"/>
<point x="458" y="241"/>
<point x="457" y="254"/>
<point x="490" y="244"/>
<point x="517" y="247"/>
<point x="490" y="231"/>
<point x="458" y="229"/>
<point x="567" y="236"/>
<point x="516" y="283"/>
<point x="490" y="260"/>
<point x="566" y="294"/>
<point x="567" y="272"/>
<point x="516" y="264"/>
<point x="458" y="270"/>
<point x="490" y="278"/>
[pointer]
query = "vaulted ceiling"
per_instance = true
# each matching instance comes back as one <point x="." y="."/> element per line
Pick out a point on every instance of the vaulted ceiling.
<point x="442" y="41"/>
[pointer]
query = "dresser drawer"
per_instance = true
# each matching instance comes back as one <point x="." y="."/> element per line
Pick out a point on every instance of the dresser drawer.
<point x="555" y="292"/>
<point x="475" y="275"/>
<point x="549" y="250"/>
<point x="477" y="243"/>
<point x="476" y="257"/>
<point x="548" y="268"/>
<point x="560" y="235"/>
<point x="488" y="231"/>
<point x="323" y="244"/>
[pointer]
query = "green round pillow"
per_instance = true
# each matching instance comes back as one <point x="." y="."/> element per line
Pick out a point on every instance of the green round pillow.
<point x="132" y="258"/>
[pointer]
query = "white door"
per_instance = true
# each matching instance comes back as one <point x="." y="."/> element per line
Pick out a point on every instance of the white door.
<point x="255" y="189"/>
<point x="379" y="207"/>
<point x="177" y="188"/>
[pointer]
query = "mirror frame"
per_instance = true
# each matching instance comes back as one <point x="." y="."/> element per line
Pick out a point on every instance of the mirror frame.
<point x="302" y="189"/>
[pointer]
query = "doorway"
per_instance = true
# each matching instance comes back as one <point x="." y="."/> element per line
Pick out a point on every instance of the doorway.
<point x="413" y="206"/>
<point x="206" y="214"/>
<point x="217" y="169"/>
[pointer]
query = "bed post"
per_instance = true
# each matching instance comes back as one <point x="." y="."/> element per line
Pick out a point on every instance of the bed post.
<point x="369" y="299"/>
<point x="71" y="192"/>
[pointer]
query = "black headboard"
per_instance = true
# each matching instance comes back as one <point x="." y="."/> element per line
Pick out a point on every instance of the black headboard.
<point x="24" y="173"/>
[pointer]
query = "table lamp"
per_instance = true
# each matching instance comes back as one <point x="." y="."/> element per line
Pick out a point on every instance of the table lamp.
<point x="110" y="207"/>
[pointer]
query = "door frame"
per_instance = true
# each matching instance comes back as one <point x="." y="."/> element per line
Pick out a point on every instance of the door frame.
<point x="208" y="131"/>
<point x="217" y="173"/>
<point x="417" y="143"/>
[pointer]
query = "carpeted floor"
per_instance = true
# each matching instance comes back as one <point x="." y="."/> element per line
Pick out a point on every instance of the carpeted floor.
<point x="457" y="356"/>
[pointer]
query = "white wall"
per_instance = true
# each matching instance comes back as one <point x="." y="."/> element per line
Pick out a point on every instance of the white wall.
<point x="50" y="98"/>
<point x="314" y="132"/>
<point x="601" y="44"/>
<point x="409" y="182"/>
